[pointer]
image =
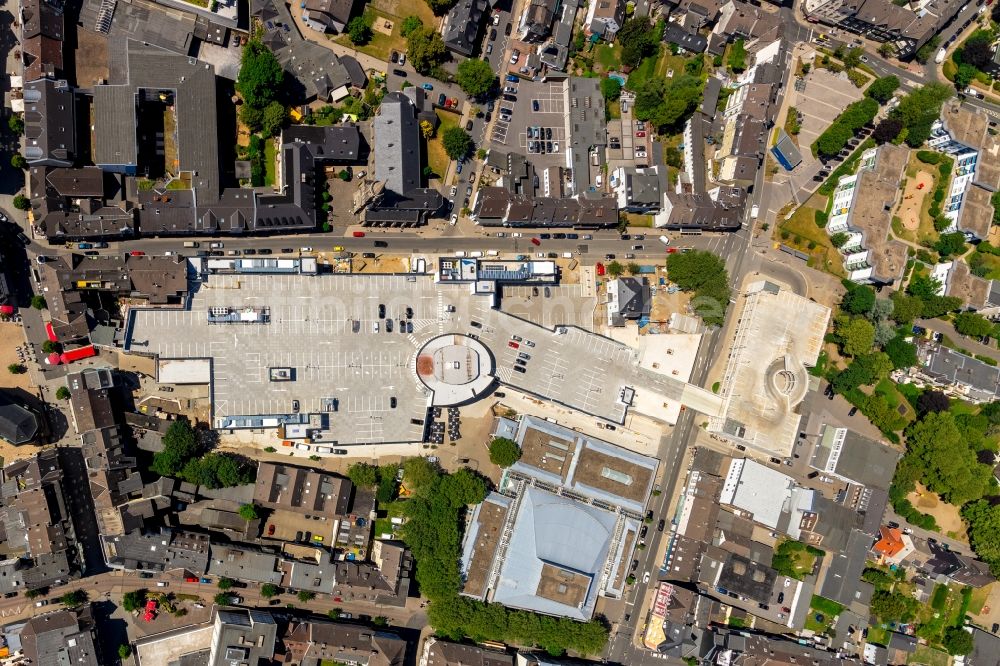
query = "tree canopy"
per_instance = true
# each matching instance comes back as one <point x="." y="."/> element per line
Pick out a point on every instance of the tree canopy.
<point x="457" y="143"/>
<point x="856" y="334"/>
<point x="637" y="39"/>
<point x="859" y="299"/>
<point x="179" y="446"/>
<point x="363" y="475"/>
<point x="951" y="243"/>
<point x="611" y="89"/>
<point x="425" y="49"/>
<point x="359" y="30"/>
<point x="705" y="274"/>
<point x="261" y="75"/>
<point x="983" y="519"/>
<point x="248" y="512"/>
<point x="667" y="103"/>
<point x="958" y="641"/>
<point x="882" y="89"/>
<point x="475" y="77"/>
<point x="944" y="460"/>
<point x="409" y="24"/>
<point x="919" y="109"/>
<point x="504" y="452"/>
<point x="972" y="324"/>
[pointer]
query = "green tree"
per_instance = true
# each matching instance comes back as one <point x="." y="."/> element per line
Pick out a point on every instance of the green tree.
<point x="611" y="89"/>
<point x="363" y="475"/>
<point x="633" y="268"/>
<point x="268" y="590"/>
<point x="919" y="109"/>
<point x="615" y="269"/>
<point x="18" y="162"/>
<point x="946" y="463"/>
<point x="902" y="353"/>
<point x="983" y="519"/>
<point x="409" y="24"/>
<point x="124" y="651"/>
<point x="16" y="369"/>
<point x="877" y="577"/>
<point x="21" y="202"/>
<point x="893" y="606"/>
<point x="859" y="299"/>
<point x="637" y="39"/>
<point x="839" y="239"/>
<point x="38" y="302"/>
<point x="306" y="596"/>
<point x="856" y="335"/>
<point x="705" y="274"/>
<point x="457" y="143"/>
<point x="964" y="76"/>
<point x="426" y="49"/>
<point x="226" y="583"/>
<point x="73" y="599"/>
<point x="223" y="599"/>
<point x="882" y="89"/>
<point x="972" y="324"/>
<point x="272" y="119"/>
<point x="504" y="452"/>
<point x="977" y="50"/>
<point x="179" y="446"/>
<point x="344" y="175"/>
<point x="667" y="105"/>
<point x="16" y="124"/>
<point x="359" y="31"/>
<point x="334" y="613"/>
<point x="887" y="130"/>
<point x="248" y="512"/>
<point x="261" y="76"/>
<point x="957" y="641"/>
<point x="440" y="7"/>
<point x="853" y="57"/>
<point x="419" y="474"/>
<point x="475" y="77"/>
<point x="49" y="347"/>
<point x="62" y="393"/>
<point x="949" y="244"/>
<point x="133" y="601"/>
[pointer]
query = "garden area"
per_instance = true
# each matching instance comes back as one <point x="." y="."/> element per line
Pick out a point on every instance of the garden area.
<point x="823" y="613"/>
<point x="437" y="156"/>
<point x="805" y="231"/>
<point x="383" y="41"/>
<point x="795" y="559"/>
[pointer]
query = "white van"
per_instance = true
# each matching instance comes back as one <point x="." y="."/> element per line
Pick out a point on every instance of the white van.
<point x="567" y="255"/>
<point x="476" y="253"/>
<point x="460" y="253"/>
<point x="493" y="253"/>
<point x="216" y="245"/>
<point x="664" y="240"/>
<point x="191" y="243"/>
<point x="324" y="449"/>
<point x="374" y="327"/>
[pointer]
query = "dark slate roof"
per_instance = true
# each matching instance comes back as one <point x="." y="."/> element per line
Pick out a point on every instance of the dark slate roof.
<point x="398" y="155"/>
<point x="17" y="424"/>
<point x="355" y="71"/>
<point x="461" y="29"/>
<point x="634" y="297"/>
<point x="335" y="144"/>
<point x="49" y="123"/>
<point x="843" y="582"/>
<point x="690" y="41"/>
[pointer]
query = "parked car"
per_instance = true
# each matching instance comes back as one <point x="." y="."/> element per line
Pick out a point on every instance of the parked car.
<point x="441" y="99"/>
<point x="394" y="57"/>
<point x="400" y="73"/>
<point x="534" y="105"/>
<point x="426" y="86"/>
<point x="493" y="34"/>
<point x="515" y="56"/>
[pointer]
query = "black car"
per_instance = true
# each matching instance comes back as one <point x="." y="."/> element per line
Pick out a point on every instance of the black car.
<point x="388" y="326"/>
<point x="409" y="312"/>
<point x="493" y="34"/>
<point x="660" y="525"/>
<point x="287" y="250"/>
<point x="545" y="236"/>
<point x="381" y="244"/>
<point x="402" y="326"/>
<point x="572" y="236"/>
<point x="381" y="311"/>
<point x="519" y="368"/>
<point x="24" y="239"/>
<point x="548" y="132"/>
<point x="559" y="236"/>
<point x="510" y="98"/>
<point x="392" y="402"/>
<point x="506" y="29"/>
<point x="468" y="125"/>
<point x="609" y="256"/>
<point x="781" y="597"/>
<point x="854" y="410"/>
<point x="264" y="250"/>
<point x="218" y="253"/>
<point x="249" y="251"/>
<point x="534" y="105"/>
<point x="368" y="255"/>
<point x="642" y="532"/>
<point x="442" y="98"/>
<point x="400" y="73"/>
<point x="393" y="57"/>
<point x="548" y="146"/>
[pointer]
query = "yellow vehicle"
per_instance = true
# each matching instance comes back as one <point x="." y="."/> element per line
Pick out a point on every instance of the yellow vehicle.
<point x="338" y="248"/>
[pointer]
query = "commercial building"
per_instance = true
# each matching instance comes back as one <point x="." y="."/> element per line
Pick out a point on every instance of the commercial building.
<point x="904" y="28"/>
<point x="561" y="531"/>
<point x="629" y="298"/>
<point x="49" y="123"/>
<point x="316" y="643"/>
<point x="62" y="637"/>
<point x="231" y="636"/>
<point x="637" y="190"/>
<point x="957" y="374"/>
<point x="853" y="458"/>
<point x="18" y="424"/>
<point x="780" y="335"/>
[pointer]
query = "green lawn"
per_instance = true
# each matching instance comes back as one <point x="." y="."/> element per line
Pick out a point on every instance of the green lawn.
<point x="608" y="56"/>
<point x="825" y="608"/>
<point x="979" y="597"/>
<point x="928" y="656"/>
<point x="381" y="44"/>
<point x="878" y="636"/>
<point x="803" y="231"/>
<point x="436" y="157"/>
<point x="270" y="162"/>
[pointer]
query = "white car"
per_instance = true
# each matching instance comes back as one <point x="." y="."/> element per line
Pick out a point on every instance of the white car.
<point x="515" y="56"/>
<point x="306" y="249"/>
<point x="496" y="18"/>
<point x="516" y="234"/>
<point x="454" y="219"/>
<point x="402" y="59"/>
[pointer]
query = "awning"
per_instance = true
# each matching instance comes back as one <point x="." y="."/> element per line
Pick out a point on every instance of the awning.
<point x="50" y="333"/>
<point x="53" y="359"/>
<point x="6" y="309"/>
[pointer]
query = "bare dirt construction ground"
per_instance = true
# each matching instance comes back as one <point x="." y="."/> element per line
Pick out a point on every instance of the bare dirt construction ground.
<point x="913" y="199"/>
<point x="946" y="515"/>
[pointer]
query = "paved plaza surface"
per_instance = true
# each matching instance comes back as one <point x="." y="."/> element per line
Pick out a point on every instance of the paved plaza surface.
<point x="353" y="380"/>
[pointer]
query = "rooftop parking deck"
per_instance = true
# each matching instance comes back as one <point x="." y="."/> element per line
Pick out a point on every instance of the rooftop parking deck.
<point x="354" y="369"/>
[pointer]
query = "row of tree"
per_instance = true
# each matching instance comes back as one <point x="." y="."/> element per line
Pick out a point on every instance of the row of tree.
<point x="185" y="458"/>
<point x="434" y="512"/>
<point x="845" y="126"/>
<point x="704" y="274"/>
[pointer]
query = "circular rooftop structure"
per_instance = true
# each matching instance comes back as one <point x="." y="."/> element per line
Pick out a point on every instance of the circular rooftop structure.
<point x="456" y="368"/>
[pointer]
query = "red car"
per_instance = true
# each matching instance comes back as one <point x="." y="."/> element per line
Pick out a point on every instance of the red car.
<point x="270" y="530"/>
<point x="640" y="134"/>
<point x="150" y="610"/>
<point x="535" y="241"/>
<point x="671" y="250"/>
<point x="513" y="345"/>
<point x="137" y="253"/>
<point x="452" y="102"/>
<point x="190" y="579"/>
<point x="358" y="234"/>
<point x="600" y="269"/>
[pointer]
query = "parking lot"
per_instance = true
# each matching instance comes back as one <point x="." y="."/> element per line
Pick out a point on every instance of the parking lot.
<point x="512" y="135"/>
<point x="354" y="381"/>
